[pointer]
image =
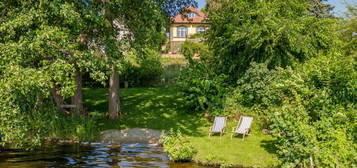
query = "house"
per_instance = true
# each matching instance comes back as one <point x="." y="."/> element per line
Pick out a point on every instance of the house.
<point x="189" y="22"/>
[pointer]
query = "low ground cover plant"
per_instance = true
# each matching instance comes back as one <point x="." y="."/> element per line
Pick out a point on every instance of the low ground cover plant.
<point x="177" y="146"/>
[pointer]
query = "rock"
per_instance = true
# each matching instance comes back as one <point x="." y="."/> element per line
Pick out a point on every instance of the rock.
<point x="133" y="135"/>
<point x="267" y="132"/>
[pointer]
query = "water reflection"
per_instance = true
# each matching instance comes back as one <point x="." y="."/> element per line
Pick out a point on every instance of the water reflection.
<point x="98" y="155"/>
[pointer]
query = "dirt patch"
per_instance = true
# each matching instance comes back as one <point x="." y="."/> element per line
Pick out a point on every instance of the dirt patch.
<point x="133" y="135"/>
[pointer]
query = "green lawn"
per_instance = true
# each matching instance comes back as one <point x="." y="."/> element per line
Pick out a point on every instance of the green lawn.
<point x="162" y="108"/>
<point x="256" y="150"/>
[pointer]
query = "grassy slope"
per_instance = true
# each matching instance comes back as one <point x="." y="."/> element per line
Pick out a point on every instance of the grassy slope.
<point x="162" y="108"/>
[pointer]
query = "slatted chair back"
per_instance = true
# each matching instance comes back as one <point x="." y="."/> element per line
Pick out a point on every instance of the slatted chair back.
<point x="218" y="125"/>
<point x="243" y="127"/>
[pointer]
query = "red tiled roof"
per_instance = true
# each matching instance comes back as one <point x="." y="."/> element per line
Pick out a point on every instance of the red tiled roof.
<point x="181" y="18"/>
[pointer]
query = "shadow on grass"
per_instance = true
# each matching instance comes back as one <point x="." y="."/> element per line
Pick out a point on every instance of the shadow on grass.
<point x="269" y="146"/>
<point x="155" y="108"/>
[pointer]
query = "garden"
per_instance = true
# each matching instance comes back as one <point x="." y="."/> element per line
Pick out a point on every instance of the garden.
<point x="70" y="70"/>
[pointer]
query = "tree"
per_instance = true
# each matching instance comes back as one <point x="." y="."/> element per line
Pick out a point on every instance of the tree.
<point x="319" y="8"/>
<point x="279" y="33"/>
<point x="41" y="54"/>
<point x="347" y="31"/>
<point x="143" y="23"/>
<point x="45" y="46"/>
<point x="53" y="32"/>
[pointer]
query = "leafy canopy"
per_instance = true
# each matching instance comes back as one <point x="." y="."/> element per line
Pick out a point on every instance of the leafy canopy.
<point x="43" y="43"/>
<point x="278" y="33"/>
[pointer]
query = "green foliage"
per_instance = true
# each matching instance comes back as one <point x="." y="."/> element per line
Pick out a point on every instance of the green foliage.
<point x="197" y="36"/>
<point x="278" y="33"/>
<point x="320" y="8"/>
<point x="301" y="137"/>
<point x="275" y="33"/>
<point x="177" y="146"/>
<point x="137" y="68"/>
<point x="190" y="49"/>
<point x="349" y="26"/>
<point x="286" y="64"/>
<point x="253" y="86"/>
<point x="200" y="91"/>
<point x="28" y="115"/>
<point x="150" y="68"/>
<point x="311" y="109"/>
<point x="172" y="68"/>
<point x="39" y="49"/>
<point x="73" y="128"/>
<point x="202" y="88"/>
<point x="21" y="106"/>
<point x="225" y="165"/>
<point x="43" y="43"/>
<point x="143" y="71"/>
<point x="334" y="75"/>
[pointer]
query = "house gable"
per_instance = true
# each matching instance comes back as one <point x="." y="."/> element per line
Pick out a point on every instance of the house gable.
<point x="189" y="22"/>
<point x="183" y="18"/>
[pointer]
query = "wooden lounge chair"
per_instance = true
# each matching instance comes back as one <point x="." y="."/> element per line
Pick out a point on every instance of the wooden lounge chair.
<point x="218" y="126"/>
<point x="243" y="126"/>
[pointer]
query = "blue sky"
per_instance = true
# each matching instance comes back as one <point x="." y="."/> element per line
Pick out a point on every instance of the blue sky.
<point x="201" y="3"/>
<point x="340" y="5"/>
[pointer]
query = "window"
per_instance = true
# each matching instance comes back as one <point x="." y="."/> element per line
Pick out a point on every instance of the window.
<point x="201" y="29"/>
<point x="191" y="15"/>
<point x="181" y="31"/>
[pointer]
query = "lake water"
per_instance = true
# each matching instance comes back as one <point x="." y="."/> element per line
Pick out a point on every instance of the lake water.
<point x="98" y="155"/>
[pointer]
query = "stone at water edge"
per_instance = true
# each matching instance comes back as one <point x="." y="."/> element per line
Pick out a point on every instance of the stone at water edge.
<point x="133" y="135"/>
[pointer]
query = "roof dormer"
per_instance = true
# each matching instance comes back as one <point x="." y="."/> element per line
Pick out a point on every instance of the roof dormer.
<point x="191" y="15"/>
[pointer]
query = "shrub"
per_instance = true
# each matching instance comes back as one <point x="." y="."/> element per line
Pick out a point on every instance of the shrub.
<point x="150" y="68"/>
<point x="177" y="146"/>
<point x="302" y="139"/>
<point x="254" y="94"/>
<point x="144" y="70"/>
<point x="189" y="49"/>
<point x="310" y="109"/>
<point x="316" y="121"/>
<point x="253" y="86"/>
<point x="202" y="89"/>
<point x="28" y="114"/>
<point x="73" y="127"/>
<point x="21" y="106"/>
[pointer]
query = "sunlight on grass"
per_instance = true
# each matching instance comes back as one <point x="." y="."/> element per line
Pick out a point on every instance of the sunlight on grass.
<point x="162" y="109"/>
<point x="256" y="150"/>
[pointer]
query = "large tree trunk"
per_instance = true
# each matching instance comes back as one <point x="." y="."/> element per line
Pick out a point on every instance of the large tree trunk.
<point x="58" y="99"/>
<point x="77" y="99"/>
<point x="114" y="101"/>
